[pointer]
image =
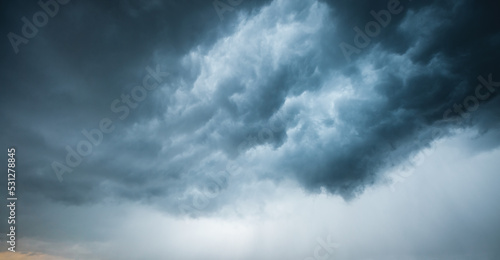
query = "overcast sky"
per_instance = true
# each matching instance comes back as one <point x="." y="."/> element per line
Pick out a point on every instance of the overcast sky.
<point x="245" y="129"/>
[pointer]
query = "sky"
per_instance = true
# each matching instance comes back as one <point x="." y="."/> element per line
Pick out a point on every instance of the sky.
<point x="245" y="129"/>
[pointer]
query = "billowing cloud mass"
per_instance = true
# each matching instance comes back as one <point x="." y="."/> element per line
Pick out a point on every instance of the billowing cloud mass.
<point x="203" y="114"/>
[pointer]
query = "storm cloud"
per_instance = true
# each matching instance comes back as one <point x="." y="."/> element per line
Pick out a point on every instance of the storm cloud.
<point x="268" y="94"/>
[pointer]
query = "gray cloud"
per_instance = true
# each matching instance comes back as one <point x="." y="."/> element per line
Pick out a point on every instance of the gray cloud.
<point x="341" y="124"/>
<point x="226" y="90"/>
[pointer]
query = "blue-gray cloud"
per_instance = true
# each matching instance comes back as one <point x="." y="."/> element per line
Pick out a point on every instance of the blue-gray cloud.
<point x="268" y="89"/>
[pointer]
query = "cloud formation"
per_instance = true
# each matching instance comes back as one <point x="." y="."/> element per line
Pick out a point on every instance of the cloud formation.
<point x="268" y="89"/>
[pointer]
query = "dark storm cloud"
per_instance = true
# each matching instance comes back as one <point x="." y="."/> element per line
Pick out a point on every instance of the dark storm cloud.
<point x="344" y="122"/>
<point x="447" y="48"/>
<point x="64" y="79"/>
